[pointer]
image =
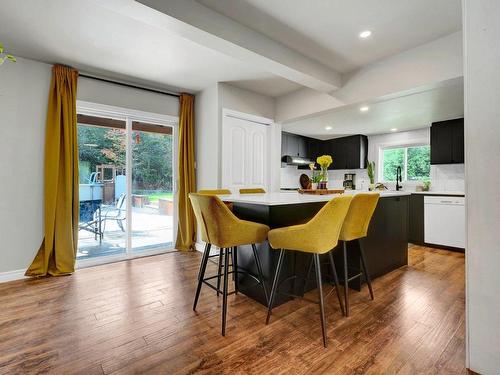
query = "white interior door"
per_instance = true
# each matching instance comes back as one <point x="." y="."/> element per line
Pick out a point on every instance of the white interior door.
<point x="244" y="153"/>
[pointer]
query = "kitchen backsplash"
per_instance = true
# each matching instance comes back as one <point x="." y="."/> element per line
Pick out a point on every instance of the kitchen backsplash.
<point x="290" y="177"/>
<point x="449" y="177"/>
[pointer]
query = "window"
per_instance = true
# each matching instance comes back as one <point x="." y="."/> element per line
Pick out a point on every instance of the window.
<point x="413" y="160"/>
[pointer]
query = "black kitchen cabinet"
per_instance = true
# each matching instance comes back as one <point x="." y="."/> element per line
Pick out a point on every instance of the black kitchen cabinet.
<point x="447" y="142"/>
<point x="356" y="149"/>
<point x="416" y="219"/>
<point x="347" y="152"/>
<point x="293" y="145"/>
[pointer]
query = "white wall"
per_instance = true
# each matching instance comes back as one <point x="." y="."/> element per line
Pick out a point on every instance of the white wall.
<point x="482" y="157"/>
<point x="207" y="138"/>
<point x="246" y="101"/>
<point x="24" y="92"/>
<point x="23" y="105"/>
<point x="209" y="105"/>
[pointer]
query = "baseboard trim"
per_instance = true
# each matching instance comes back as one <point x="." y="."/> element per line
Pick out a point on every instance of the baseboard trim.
<point x="12" y="275"/>
<point x="200" y="246"/>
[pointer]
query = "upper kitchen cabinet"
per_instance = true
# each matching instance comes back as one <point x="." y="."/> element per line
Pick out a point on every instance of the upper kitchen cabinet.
<point x="347" y="152"/>
<point x="447" y="142"/>
<point x="293" y="145"/>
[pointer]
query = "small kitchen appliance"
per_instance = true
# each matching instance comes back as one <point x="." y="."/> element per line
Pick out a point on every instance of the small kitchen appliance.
<point x="350" y="181"/>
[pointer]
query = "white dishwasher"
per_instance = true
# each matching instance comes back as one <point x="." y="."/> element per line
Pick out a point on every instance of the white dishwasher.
<point x="444" y="221"/>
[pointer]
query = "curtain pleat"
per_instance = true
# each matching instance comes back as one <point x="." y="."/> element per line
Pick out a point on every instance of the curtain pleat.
<point x="57" y="253"/>
<point x="186" y="233"/>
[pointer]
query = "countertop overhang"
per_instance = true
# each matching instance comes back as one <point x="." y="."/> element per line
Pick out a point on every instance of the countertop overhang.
<point x="439" y="192"/>
<point x="293" y="197"/>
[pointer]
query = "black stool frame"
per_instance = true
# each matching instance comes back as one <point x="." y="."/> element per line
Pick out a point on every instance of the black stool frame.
<point x="317" y="266"/>
<point x="224" y="266"/>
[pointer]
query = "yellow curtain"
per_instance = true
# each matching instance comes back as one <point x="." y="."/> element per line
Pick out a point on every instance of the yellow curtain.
<point x="186" y="233"/>
<point x="57" y="253"/>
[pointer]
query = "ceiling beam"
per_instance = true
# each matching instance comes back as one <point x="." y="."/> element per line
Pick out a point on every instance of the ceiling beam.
<point x="202" y="25"/>
<point x="426" y="66"/>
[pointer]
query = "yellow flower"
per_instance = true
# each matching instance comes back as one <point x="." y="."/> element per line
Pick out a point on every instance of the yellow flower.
<point x="311" y="166"/>
<point x="324" y="160"/>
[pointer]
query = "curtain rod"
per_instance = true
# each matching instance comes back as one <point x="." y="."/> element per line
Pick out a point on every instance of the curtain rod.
<point x="129" y="85"/>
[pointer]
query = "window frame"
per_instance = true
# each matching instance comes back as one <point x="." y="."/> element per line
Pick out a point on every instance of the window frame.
<point x="404" y="146"/>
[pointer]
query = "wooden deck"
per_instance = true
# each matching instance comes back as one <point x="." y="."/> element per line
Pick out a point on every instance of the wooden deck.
<point x="136" y="317"/>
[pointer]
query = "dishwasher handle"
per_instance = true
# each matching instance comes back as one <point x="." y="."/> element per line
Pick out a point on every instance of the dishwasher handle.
<point x="458" y="201"/>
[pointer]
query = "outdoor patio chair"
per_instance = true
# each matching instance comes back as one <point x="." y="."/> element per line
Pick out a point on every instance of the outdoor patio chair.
<point x="115" y="212"/>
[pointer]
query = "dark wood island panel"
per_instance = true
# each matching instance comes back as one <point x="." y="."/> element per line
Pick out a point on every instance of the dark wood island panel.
<point x="386" y="246"/>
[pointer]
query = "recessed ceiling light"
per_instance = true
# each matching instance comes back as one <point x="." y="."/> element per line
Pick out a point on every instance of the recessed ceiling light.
<point x="365" y="34"/>
<point x="394" y="129"/>
<point x="328" y="128"/>
<point x="364" y="108"/>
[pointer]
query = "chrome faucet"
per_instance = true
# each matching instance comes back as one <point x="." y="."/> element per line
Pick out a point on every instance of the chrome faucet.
<point x="398" y="179"/>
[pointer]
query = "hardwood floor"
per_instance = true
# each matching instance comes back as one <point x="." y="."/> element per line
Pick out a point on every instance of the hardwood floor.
<point x="136" y="317"/>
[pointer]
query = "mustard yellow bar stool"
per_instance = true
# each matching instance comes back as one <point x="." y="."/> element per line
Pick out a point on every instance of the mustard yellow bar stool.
<point x="230" y="206"/>
<point x="318" y="236"/>
<point x="355" y="227"/>
<point x="252" y="191"/>
<point x="215" y="192"/>
<point x="221" y="228"/>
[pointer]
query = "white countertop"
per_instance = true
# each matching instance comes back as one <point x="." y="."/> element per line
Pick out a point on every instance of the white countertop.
<point x="439" y="192"/>
<point x="293" y="197"/>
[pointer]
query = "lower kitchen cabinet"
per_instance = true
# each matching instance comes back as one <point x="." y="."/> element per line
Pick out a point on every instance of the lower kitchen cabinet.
<point x="416" y="219"/>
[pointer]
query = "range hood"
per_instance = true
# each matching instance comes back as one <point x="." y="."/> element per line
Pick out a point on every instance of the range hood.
<point x="295" y="160"/>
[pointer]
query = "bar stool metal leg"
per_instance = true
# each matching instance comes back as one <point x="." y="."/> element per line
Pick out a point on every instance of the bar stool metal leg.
<point x="219" y="271"/>
<point x="259" y="272"/>
<point x="234" y="252"/>
<point x="365" y="270"/>
<point x="336" y="282"/>
<point x="346" y="279"/>
<point x="308" y="275"/>
<point x="203" y="258"/>
<point x="320" y="293"/>
<point x="224" y="291"/>
<point x="203" y="268"/>
<point x="275" y="284"/>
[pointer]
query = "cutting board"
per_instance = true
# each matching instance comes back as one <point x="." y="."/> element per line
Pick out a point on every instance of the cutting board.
<point x="321" y="191"/>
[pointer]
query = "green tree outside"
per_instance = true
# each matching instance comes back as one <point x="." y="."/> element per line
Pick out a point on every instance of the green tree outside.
<point x="415" y="159"/>
<point x="151" y="156"/>
<point x="393" y="157"/>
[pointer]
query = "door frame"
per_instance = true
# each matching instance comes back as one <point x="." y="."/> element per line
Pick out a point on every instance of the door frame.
<point x="128" y="116"/>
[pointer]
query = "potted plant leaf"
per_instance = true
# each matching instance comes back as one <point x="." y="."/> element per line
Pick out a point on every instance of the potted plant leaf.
<point x="315" y="177"/>
<point x="5" y="56"/>
<point x="370" y="169"/>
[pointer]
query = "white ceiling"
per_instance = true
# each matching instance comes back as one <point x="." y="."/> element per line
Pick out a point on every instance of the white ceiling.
<point x="404" y="113"/>
<point x="94" y="39"/>
<point x="327" y="30"/>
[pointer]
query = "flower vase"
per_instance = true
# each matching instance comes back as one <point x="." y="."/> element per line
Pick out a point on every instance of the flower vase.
<point x="314" y="185"/>
<point x="324" y="178"/>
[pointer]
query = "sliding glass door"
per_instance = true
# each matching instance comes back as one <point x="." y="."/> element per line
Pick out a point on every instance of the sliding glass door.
<point x="127" y="197"/>
<point x="152" y="186"/>
<point x="102" y="159"/>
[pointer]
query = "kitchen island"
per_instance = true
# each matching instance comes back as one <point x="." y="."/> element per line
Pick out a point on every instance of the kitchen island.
<point x="386" y="246"/>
